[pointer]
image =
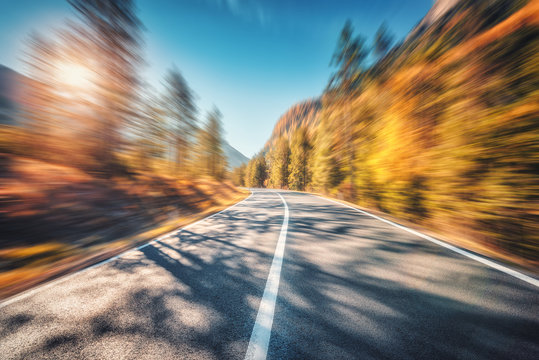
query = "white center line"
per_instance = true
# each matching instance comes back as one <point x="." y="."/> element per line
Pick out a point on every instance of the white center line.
<point x="260" y="337"/>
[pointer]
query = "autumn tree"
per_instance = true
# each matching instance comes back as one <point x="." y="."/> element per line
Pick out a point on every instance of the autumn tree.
<point x="248" y="178"/>
<point x="112" y="30"/>
<point x="349" y="59"/>
<point x="326" y="172"/>
<point x="279" y="159"/>
<point x="238" y="175"/>
<point x="256" y="171"/>
<point x="150" y="130"/>
<point x="59" y="105"/>
<point x="300" y="149"/>
<point x="211" y="156"/>
<point x="181" y="111"/>
<point x="42" y="100"/>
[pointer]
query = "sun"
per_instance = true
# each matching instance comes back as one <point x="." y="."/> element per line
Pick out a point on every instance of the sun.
<point x="74" y="76"/>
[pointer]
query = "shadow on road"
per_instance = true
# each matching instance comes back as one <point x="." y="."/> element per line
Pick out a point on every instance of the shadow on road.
<point x="354" y="287"/>
<point x="351" y="287"/>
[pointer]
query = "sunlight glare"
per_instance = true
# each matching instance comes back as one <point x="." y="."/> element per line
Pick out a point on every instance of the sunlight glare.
<point x="75" y="76"/>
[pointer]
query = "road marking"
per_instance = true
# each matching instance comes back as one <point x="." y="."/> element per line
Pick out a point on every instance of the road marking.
<point x="260" y="337"/>
<point x="490" y="263"/>
<point x="62" y="279"/>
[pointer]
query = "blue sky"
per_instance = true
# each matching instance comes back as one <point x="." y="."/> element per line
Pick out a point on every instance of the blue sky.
<point x="253" y="59"/>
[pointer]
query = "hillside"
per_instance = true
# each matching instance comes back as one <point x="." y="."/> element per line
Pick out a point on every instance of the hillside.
<point x="305" y="113"/>
<point x="444" y="125"/>
<point x="233" y="156"/>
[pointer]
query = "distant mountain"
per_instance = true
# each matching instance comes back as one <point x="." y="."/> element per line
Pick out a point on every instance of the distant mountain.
<point x="11" y="88"/>
<point x="305" y="113"/>
<point x="233" y="156"/>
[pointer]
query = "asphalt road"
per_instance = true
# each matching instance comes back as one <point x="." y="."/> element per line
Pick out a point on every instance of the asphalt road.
<point x="349" y="287"/>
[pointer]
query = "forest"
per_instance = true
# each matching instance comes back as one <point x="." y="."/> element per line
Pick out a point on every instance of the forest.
<point x="94" y="160"/>
<point x="439" y="130"/>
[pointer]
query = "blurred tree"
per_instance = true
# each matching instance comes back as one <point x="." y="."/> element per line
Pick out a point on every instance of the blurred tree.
<point x="249" y="176"/>
<point x="256" y="172"/>
<point x="211" y="154"/>
<point x="238" y="175"/>
<point x="382" y="41"/>
<point x="261" y="171"/>
<point x="326" y="172"/>
<point x="279" y="160"/>
<point x="151" y="130"/>
<point x="181" y="109"/>
<point x="58" y="106"/>
<point x="348" y="58"/>
<point x="113" y="31"/>
<point x="300" y="149"/>
<point x="41" y="100"/>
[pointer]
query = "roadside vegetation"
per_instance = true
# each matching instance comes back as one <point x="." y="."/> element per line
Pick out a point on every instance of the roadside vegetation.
<point x="56" y="218"/>
<point x="94" y="161"/>
<point x="438" y="130"/>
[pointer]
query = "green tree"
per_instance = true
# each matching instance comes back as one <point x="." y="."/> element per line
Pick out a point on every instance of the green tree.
<point x="300" y="149"/>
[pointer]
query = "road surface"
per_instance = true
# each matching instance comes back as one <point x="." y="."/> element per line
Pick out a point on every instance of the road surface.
<point x="349" y="287"/>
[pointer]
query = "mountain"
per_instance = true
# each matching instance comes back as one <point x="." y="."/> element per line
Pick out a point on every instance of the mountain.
<point x="306" y="113"/>
<point x="233" y="156"/>
<point x="11" y="89"/>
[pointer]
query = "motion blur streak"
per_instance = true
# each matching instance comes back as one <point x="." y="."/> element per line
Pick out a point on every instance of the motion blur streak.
<point x="433" y="127"/>
<point x="439" y="130"/>
<point x="92" y="160"/>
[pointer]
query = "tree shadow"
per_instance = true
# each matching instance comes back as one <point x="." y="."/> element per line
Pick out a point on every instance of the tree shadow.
<point x="376" y="292"/>
<point x="351" y="287"/>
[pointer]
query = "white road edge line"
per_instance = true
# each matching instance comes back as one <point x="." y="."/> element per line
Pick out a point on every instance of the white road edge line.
<point x="490" y="263"/>
<point x="260" y="337"/>
<point x="62" y="279"/>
